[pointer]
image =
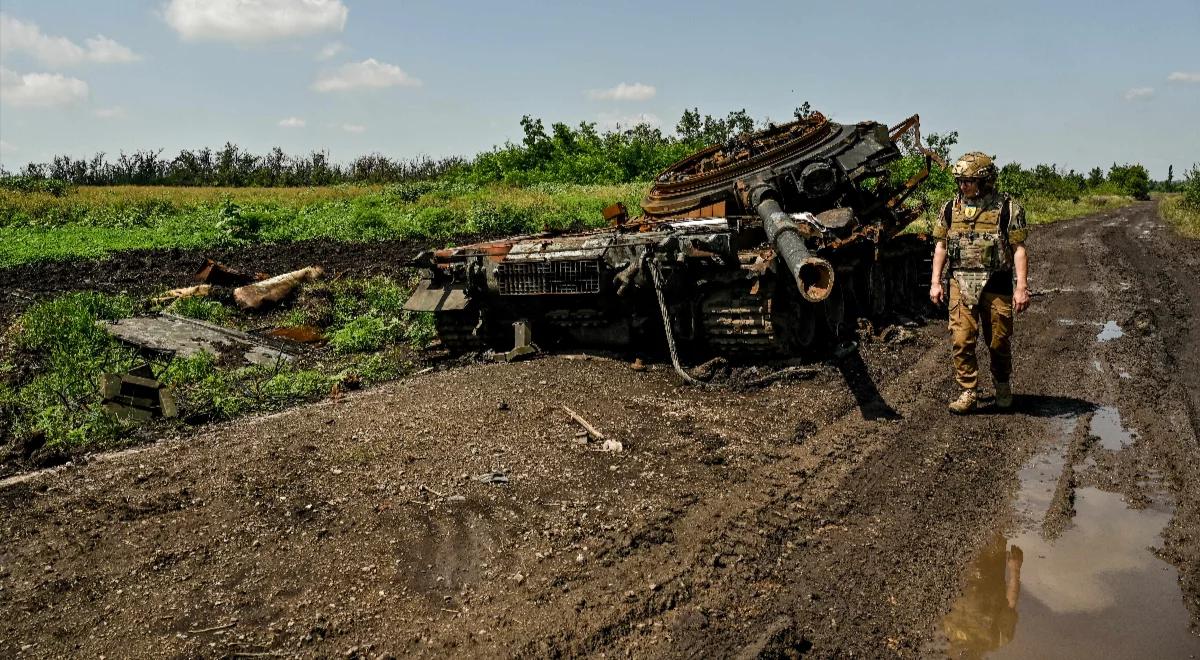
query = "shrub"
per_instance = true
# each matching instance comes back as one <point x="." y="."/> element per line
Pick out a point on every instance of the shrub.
<point x="362" y="334"/>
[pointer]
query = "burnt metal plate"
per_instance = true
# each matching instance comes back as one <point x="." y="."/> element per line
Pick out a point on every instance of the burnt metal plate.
<point x="430" y="297"/>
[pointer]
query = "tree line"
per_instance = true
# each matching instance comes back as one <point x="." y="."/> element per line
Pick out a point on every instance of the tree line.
<point x="559" y="154"/>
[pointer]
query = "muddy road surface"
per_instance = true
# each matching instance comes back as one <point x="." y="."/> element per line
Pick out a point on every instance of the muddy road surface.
<point x="456" y="513"/>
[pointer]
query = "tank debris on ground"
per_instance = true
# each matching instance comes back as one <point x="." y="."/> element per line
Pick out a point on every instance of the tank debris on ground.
<point x="177" y="336"/>
<point x="765" y="247"/>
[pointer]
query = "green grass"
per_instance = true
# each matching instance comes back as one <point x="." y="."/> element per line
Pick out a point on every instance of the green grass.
<point x="91" y="222"/>
<point x="202" y="309"/>
<point x="1184" y="217"/>
<point x="67" y="352"/>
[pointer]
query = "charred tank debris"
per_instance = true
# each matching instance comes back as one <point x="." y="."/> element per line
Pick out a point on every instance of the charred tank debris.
<point x="768" y="246"/>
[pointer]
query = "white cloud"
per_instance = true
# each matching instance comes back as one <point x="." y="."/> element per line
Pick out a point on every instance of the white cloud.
<point x="1184" y="76"/>
<point x="353" y="128"/>
<point x="366" y="74"/>
<point x="40" y="89"/>
<point x="291" y="122"/>
<point x="330" y="50"/>
<point x="104" y="50"/>
<point x="611" y="122"/>
<point x="624" y="92"/>
<point x="1139" y="93"/>
<point x="115" y="112"/>
<point x="247" y="21"/>
<point x="20" y="37"/>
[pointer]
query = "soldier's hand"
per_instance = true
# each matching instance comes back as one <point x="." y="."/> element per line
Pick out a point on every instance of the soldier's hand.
<point x="1020" y="299"/>
<point x="936" y="295"/>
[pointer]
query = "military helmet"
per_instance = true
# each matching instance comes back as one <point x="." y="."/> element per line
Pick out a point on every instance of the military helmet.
<point x="975" y="165"/>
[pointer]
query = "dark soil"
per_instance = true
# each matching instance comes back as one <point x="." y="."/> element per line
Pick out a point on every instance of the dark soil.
<point x="830" y="516"/>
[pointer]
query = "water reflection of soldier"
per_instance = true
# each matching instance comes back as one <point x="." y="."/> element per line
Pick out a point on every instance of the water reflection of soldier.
<point x="985" y="617"/>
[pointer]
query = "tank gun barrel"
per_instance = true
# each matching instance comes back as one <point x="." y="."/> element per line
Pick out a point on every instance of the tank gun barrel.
<point x="814" y="275"/>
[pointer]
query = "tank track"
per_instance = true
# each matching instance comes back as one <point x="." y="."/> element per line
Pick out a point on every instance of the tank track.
<point x="739" y="323"/>
<point x="753" y="323"/>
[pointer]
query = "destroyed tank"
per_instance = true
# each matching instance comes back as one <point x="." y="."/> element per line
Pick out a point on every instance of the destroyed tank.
<point x="768" y="246"/>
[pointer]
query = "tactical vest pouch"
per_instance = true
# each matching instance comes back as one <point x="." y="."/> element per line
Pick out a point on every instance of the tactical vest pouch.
<point x="970" y="285"/>
<point x="975" y="251"/>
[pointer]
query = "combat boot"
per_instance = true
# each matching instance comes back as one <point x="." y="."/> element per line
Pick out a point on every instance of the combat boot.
<point x="965" y="403"/>
<point x="1004" y="397"/>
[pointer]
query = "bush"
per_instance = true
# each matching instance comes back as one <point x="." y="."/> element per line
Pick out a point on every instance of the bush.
<point x="1190" y="189"/>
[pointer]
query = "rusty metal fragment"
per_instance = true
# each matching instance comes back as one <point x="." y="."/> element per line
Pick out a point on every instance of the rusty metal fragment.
<point x="274" y="289"/>
<point x="217" y="273"/>
<point x="137" y="395"/>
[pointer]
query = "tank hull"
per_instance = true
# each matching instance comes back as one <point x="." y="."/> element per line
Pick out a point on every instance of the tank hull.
<point x="724" y="245"/>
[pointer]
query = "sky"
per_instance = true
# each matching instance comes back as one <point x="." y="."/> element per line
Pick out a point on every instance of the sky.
<point x="1077" y="84"/>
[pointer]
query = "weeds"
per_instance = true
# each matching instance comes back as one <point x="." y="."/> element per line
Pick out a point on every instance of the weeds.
<point x="1185" y="217"/>
<point x="201" y="309"/>
<point x="59" y="399"/>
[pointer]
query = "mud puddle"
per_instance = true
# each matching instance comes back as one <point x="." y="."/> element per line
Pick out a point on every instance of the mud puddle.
<point x="1093" y="589"/>
<point x="1110" y="331"/>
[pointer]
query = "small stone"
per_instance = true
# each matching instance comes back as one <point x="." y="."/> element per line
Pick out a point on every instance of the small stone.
<point x="336" y="471"/>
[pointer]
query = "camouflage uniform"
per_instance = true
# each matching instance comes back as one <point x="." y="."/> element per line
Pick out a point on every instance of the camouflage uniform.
<point x="981" y="283"/>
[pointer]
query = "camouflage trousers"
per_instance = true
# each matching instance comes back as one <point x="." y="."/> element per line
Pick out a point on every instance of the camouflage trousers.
<point x="994" y="316"/>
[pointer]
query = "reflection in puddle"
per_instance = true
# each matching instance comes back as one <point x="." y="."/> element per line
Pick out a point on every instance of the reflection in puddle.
<point x="1096" y="591"/>
<point x="1110" y="331"/>
<point x="1106" y="425"/>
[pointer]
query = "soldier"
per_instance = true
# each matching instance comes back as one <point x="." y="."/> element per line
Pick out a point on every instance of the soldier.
<point x="983" y="233"/>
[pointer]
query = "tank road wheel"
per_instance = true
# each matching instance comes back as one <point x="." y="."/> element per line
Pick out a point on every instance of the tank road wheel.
<point x="461" y="331"/>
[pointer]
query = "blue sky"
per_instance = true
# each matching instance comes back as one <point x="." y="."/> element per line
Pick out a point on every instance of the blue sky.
<point x="1073" y="83"/>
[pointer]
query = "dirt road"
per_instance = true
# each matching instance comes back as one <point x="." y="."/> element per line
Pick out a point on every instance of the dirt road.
<point x="833" y="516"/>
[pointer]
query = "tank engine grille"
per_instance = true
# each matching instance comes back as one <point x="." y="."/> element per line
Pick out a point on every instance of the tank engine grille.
<point x="547" y="277"/>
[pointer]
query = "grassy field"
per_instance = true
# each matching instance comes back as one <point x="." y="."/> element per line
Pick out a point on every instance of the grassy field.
<point x="93" y="221"/>
<point x="1185" y="218"/>
<point x="90" y="222"/>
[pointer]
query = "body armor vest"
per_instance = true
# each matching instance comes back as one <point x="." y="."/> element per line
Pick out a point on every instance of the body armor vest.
<point x="977" y="243"/>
